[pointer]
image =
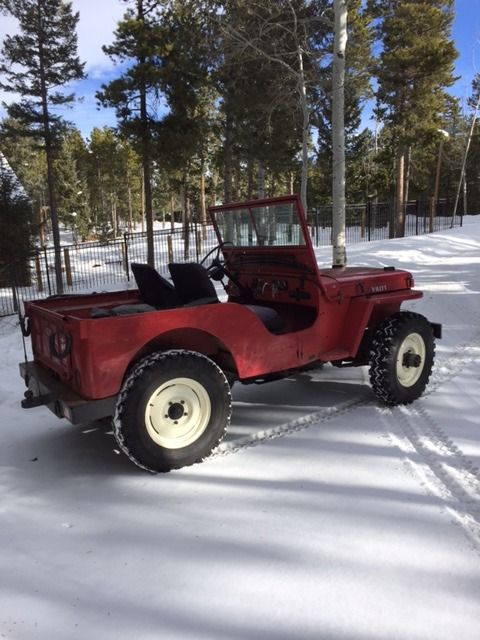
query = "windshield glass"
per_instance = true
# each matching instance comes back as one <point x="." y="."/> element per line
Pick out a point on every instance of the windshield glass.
<point x="275" y="225"/>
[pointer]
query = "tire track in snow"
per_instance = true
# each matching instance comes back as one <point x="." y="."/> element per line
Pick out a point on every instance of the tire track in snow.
<point x="443" y="469"/>
<point x="445" y="370"/>
<point x="288" y="428"/>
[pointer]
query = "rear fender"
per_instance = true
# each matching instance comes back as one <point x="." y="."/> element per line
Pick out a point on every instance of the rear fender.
<point x="190" y="339"/>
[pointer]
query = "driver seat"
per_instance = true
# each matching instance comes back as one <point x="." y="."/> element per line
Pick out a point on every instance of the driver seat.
<point x="194" y="287"/>
<point x="192" y="283"/>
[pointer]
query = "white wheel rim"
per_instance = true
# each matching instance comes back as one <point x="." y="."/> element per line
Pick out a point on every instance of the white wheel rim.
<point x="177" y="413"/>
<point x="413" y="345"/>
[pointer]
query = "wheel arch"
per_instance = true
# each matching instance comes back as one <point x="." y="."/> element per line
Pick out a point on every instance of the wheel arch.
<point x="190" y="339"/>
<point x="363" y="316"/>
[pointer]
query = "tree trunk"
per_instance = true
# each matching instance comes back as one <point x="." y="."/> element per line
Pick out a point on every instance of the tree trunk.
<point x="172" y="216"/>
<point x="250" y="180"/>
<point x="291" y="182"/>
<point x="305" y="130"/>
<point x="407" y="174"/>
<point x="400" y="194"/>
<point x="115" y="217"/>
<point x="130" y="209"/>
<point x="186" y="217"/>
<point x="50" y="174"/>
<point x="261" y="181"/>
<point x="338" y="135"/>
<point x="203" y="205"/>
<point x="146" y="160"/>
<point x="228" y="158"/>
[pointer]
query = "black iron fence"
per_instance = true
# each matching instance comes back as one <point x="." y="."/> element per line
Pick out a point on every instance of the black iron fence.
<point x="374" y="220"/>
<point x="99" y="266"/>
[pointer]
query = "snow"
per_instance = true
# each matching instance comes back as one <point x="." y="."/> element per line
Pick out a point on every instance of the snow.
<point x="322" y="515"/>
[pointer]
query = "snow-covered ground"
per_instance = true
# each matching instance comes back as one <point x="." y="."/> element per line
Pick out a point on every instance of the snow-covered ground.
<point x="322" y="516"/>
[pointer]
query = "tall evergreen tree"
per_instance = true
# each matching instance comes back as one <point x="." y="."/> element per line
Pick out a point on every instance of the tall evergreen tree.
<point x="134" y="94"/>
<point x="114" y="178"/>
<point x="413" y="69"/>
<point x="268" y="57"/>
<point x="27" y="159"/>
<point x="35" y="64"/>
<point x="15" y="230"/>
<point x="71" y="183"/>
<point x="185" y="132"/>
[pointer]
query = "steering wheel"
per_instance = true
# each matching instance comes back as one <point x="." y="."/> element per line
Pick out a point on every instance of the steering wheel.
<point x="216" y="269"/>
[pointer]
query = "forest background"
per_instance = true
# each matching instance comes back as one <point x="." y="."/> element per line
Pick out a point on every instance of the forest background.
<point x="223" y="100"/>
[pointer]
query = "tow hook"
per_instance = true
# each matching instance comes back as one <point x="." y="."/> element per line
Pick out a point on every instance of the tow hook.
<point x="411" y="360"/>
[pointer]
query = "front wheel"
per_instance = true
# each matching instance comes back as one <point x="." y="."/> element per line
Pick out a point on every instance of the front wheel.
<point x="401" y="358"/>
<point x="174" y="408"/>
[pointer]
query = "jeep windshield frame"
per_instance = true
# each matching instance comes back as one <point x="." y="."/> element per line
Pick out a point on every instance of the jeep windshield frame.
<point x="272" y="222"/>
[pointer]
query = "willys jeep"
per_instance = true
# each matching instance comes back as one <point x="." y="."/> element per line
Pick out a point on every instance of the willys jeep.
<point x="160" y="360"/>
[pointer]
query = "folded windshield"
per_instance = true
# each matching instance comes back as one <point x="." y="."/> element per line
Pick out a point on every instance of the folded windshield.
<point x="275" y="225"/>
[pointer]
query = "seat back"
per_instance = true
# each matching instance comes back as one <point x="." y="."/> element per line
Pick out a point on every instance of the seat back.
<point x="154" y="289"/>
<point x="192" y="283"/>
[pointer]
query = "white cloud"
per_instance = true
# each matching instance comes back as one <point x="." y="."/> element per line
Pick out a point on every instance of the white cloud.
<point x="98" y="20"/>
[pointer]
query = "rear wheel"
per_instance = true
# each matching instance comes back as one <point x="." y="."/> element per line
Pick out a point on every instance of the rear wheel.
<point x="401" y="358"/>
<point x="174" y="408"/>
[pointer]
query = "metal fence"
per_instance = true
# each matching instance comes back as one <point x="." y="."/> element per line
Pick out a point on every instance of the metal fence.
<point x="374" y="221"/>
<point x="99" y="266"/>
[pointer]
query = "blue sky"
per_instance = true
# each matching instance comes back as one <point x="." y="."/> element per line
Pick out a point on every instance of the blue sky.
<point x="99" y="17"/>
<point x="466" y="33"/>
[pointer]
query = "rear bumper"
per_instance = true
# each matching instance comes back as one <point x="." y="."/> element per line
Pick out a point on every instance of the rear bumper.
<point x="43" y="389"/>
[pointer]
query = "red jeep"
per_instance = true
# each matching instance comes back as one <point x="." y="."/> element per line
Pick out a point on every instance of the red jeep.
<point x="161" y="360"/>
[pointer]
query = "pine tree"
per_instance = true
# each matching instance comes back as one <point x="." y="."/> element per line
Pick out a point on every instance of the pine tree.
<point x="264" y="80"/>
<point x="114" y="179"/>
<point x="27" y="159"/>
<point x="71" y="183"/>
<point x="15" y="228"/>
<point x="134" y="94"/>
<point x="413" y="70"/>
<point x="185" y="132"/>
<point x="35" y="64"/>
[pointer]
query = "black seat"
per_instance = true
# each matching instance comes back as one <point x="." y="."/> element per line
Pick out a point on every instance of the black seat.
<point x="192" y="283"/>
<point x="154" y="289"/>
<point x="194" y="287"/>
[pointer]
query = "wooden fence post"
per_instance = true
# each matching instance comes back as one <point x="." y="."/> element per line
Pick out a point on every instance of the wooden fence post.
<point x="38" y="271"/>
<point x="68" y="268"/>
<point x="433" y="203"/>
